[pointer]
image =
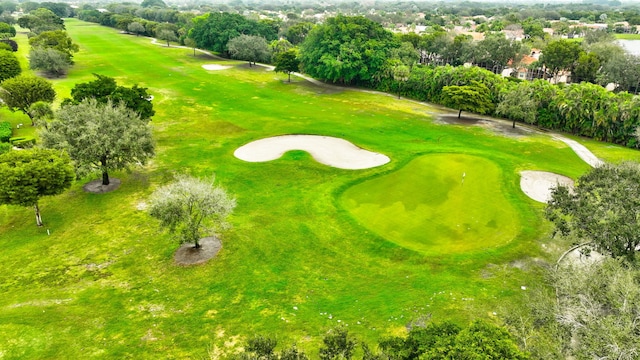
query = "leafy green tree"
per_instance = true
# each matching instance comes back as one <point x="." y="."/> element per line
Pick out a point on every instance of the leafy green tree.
<point x="287" y="62"/>
<point x="298" y="32"/>
<point x="105" y="89"/>
<point x="560" y="55"/>
<point x="519" y="103"/>
<point x="279" y="46"/>
<point x="624" y="71"/>
<point x="586" y="68"/>
<point x="482" y="340"/>
<point x="604" y="208"/>
<point x="249" y="48"/>
<point x="213" y="31"/>
<point x="40" y="20"/>
<point x="51" y="61"/>
<point x="41" y="110"/>
<point x="337" y="344"/>
<point x="190" y="207"/>
<point x="19" y="92"/>
<point x="191" y="43"/>
<point x="346" y="49"/>
<point x="9" y="65"/>
<point x="474" y="98"/>
<point x="495" y="52"/>
<point x="57" y="40"/>
<point x="100" y="137"/>
<point x="28" y="175"/>
<point x="168" y="36"/>
<point x="6" y="30"/>
<point x="136" y="28"/>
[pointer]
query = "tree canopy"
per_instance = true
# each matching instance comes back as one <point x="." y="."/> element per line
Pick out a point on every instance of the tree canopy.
<point x="58" y="40"/>
<point x="287" y="62"/>
<point x="9" y="65"/>
<point x="560" y="55"/>
<point x="105" y="89"/>
<point x="249" y="48"/>
<point x="100" y="137"/>
<point x="19" y="92"/>
<point x="604" y="208"/>
<point x="346" y="49"/>
<point x="213" y="31"/>
<point x="28" y="175"/>
<point x="474" y="98"/>
<point x="50" y="61"/>
<point x="189" y="207"/>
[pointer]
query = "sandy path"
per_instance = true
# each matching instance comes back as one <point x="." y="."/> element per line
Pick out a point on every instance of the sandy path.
<point x="538" y="184"/>
<point x="326" y="150"/>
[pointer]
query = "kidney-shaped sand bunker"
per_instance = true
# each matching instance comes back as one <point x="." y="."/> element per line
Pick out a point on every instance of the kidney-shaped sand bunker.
<point x="326" y="150"/>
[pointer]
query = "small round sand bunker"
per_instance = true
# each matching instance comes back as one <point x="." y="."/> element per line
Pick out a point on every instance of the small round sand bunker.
<point x="539" y="184"/>
<point x="326" y="150"/>
<point x="215" y="67"/>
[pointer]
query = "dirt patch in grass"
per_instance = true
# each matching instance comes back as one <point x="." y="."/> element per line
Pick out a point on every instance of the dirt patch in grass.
<point x="187" y="254"/>
<point x="96" y="186"/>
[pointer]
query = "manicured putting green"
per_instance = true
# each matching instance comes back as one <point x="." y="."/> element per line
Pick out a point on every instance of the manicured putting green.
<point x="427" y="207"/>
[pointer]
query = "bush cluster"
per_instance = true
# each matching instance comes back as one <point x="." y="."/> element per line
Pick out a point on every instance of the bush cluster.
<point x="23" y="141"/>
<point x="12" y="43"/>
<point x="5" y="131"/>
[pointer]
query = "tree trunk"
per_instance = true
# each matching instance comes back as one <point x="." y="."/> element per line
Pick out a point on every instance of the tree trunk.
<point x="459" y="113"/>
<point x="38" y="218"/>
<point x="194" y="52"/>
<point x="168" y="45"/>
<point x="514" y="123"/>
<point x="289" y="77"/>
<point x="105" y="173"/>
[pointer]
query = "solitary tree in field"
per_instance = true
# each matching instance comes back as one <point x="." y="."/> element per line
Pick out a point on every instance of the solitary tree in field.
<point x="20" y="92"/>
<point x="168" y="36"/>
<point x="100" y="137"/>
<point x="27" y="175"/>
<point x="190" y="207"/>
<point x="192" y="44"/>
<point x="474" y="98"/>
<point x="287" y="62"/>
<point x="249" y="48"/>
<point x="604" y="208"/>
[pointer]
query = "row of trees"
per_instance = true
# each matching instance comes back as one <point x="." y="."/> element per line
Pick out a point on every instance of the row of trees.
<point x="478" y="340"/>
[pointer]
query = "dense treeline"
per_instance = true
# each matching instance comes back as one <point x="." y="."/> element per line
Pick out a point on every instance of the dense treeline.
<point x="583" y="109"/>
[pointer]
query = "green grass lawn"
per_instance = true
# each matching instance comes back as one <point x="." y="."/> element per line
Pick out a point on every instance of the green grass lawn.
<point x="627" y="36"/>
<point x="311" y="246"/>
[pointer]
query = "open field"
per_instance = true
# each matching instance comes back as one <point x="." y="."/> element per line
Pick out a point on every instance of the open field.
<point x="311" y="246"/>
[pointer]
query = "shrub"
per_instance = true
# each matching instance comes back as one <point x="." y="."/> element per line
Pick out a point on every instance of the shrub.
<point x="4" y="147"/>
<point x="5" y="131"/>
<point x="12" y="43"/>
<point x="5" y="46"/>
<point x="23" y="141"/>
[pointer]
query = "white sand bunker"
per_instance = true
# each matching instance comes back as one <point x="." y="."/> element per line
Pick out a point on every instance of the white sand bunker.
<point x="326" y="150"/>
<point x="538" y="184"/>
<point x="215" y="67"/>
